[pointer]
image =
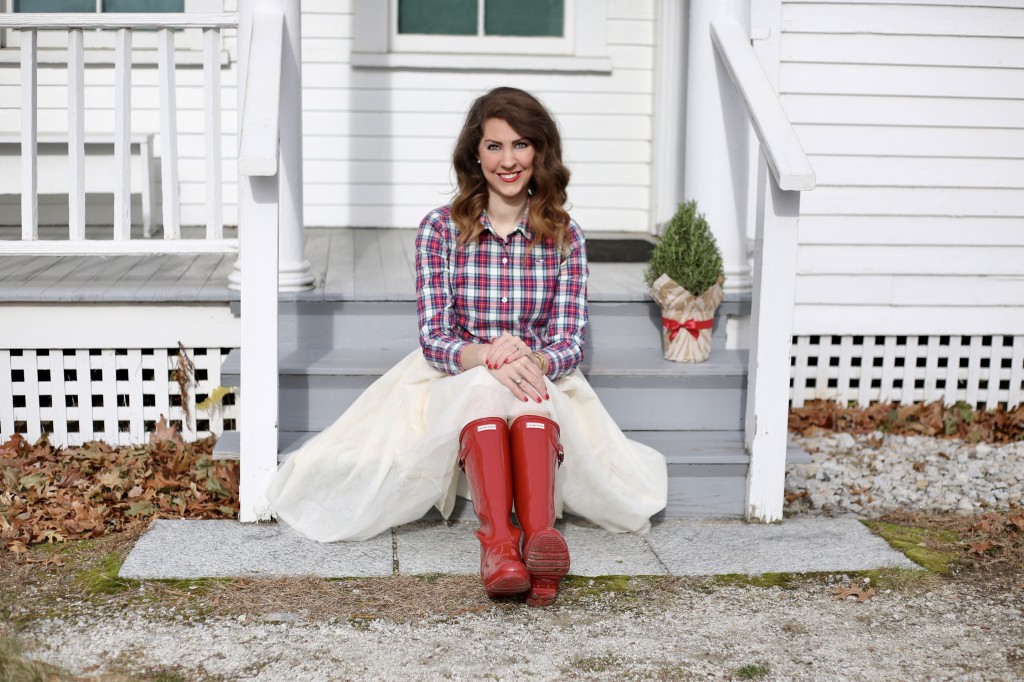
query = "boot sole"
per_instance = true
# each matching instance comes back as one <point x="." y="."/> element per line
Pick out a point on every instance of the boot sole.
<point x="547" y="557"/>
<point x="507" y="586"/>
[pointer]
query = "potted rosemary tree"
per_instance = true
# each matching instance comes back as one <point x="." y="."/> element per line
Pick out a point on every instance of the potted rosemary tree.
<point x="685" y="276"/>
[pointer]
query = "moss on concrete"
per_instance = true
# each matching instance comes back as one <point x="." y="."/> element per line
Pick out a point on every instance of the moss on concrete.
<point x="929" y="548"/>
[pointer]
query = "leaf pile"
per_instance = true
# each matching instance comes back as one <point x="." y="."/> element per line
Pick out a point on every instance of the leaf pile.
<point x="52" y="494"/>
<point x="998" y="538"/>
<point x="924" y="419"/>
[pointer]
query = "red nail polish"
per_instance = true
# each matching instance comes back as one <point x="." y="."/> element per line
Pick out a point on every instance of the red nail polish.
<point x="526" y="400"/>
<point x="547" y="397"/>
<point x="538" y="400"/>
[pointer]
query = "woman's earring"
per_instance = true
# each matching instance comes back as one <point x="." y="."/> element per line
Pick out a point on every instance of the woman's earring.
<point x="478" y="161"/>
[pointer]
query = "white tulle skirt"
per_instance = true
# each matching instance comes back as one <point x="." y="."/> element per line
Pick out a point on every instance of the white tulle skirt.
<point x="392" y="455"/>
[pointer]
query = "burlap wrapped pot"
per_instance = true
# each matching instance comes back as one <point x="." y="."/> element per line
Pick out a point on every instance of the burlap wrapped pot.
<point x="686" y="319"/>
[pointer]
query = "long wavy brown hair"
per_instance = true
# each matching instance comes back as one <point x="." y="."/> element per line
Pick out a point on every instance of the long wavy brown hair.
<point x="530" y="119"/>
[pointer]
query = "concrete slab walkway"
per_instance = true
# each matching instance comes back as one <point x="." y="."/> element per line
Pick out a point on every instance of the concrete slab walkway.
<point x="210" y="549"/>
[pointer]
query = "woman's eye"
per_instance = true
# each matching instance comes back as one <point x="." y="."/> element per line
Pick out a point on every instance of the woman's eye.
<point x="493" y="147"/>
<point x="522" y="145"/>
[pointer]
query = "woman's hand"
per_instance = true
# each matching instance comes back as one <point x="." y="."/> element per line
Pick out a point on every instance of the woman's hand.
<point x="523" y="377"/>
<point x="504" y="350"/>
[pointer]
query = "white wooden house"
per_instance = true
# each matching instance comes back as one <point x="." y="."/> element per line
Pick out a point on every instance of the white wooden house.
<point x="872" y="218"/>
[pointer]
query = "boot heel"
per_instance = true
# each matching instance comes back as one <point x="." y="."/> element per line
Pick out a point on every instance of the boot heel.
<point x="547" y="555"/>
<point x="547" y="559"/>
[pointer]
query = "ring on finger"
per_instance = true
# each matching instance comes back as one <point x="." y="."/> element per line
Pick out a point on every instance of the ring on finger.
<point x="517" y="381"/>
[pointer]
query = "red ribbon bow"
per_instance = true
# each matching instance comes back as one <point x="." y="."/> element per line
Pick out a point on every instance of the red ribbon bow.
<point x="691" y="325"/>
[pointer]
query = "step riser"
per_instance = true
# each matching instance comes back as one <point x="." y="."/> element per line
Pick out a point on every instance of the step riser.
<point x="313" y="403"/>
<point x="709" y="493"/>
<point x="359" y="325"/>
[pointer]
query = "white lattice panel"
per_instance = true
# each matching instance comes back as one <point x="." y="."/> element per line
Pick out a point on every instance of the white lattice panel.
<point x="112" y="395"/>
<point x="983" y="371"/>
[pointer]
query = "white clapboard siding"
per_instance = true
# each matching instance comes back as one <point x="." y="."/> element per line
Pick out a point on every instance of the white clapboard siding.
<point x="903" y="18"/>
<point x="935" y="201"/>
<point x="912" y="113"/>
<point x="904" y="81"/>
<point x="909" y="230"/>
<point x="908" y="50"/>
<point x="870" y="259"/>
<point x="905" y="111"/>
<point x="929" y="141"/>
<point x="894" y="171"/>
<point x="926" y="290"/>
<point x="368" y="132"/>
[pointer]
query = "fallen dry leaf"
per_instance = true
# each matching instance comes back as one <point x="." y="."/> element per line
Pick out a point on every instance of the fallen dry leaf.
<point x="862" y="594"/>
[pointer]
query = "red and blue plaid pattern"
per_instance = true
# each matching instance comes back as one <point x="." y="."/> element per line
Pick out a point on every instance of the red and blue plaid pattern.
<point x="477" y="292"/>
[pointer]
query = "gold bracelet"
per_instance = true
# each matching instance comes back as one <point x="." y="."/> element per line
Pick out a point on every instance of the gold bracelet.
<point x="542" y="360"/>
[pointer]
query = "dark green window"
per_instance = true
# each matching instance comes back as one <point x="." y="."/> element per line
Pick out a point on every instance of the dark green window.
<point x="89" y="6"/>
<point x="535" y="18"/>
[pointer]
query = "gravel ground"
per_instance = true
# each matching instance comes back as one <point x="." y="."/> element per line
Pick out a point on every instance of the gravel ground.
<point x="929" y="629"/>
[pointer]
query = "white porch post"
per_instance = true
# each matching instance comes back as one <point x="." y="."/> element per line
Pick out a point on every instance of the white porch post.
<point x="717" y="142"/>
<point x="294" y="272"/>
<point x="771" y="327"/>
<point x="669" y="107"/>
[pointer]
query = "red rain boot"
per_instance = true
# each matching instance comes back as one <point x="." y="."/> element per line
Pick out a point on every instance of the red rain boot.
<point x="536" y="454"/>
<point x="484" y="456"/>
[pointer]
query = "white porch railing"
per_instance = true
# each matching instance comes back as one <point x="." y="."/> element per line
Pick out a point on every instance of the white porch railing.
<point x="260" y="34"/>
<point x="774" y="271"/>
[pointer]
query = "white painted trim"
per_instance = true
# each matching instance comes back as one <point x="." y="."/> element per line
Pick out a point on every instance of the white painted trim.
<point x="29" y="136"/>
<point x="481" y="62"/>
<point x="485" y="44"/>
<point x="141" y="57"/>
<point x="122" y="135"/>
<point x="212" y="115"/>
<point x="258" y="218"/>
<point x="771" y="328"/>
<point x="258" y="151"/>
<point x="168" y="135"/>
<point x="584" y="50"/>
<point x="127" y="325"/>
<point x="779" y="142"/>
<point x="669" y="112"/>
<point x="133" y="247"/>
<point x="76" y="135"/>
<point x="66" y="21"/>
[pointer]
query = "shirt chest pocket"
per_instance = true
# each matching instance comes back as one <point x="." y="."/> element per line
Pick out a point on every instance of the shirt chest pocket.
<point x="544" y="268"/>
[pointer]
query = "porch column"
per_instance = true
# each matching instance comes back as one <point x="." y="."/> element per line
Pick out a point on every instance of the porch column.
<point x="294" y="270"/>
<point x="669" y="112"/>
<point x="717" y="141"/>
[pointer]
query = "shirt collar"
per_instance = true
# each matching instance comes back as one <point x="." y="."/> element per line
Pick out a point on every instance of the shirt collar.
<point x="523" y="226"/>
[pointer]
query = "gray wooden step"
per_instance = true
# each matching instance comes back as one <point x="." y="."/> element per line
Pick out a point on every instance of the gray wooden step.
<point x="641" y="392"/>
<point x="707" y="469"/>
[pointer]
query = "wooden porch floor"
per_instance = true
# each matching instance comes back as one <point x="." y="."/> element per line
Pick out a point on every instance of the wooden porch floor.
<point x="348" y="264"/>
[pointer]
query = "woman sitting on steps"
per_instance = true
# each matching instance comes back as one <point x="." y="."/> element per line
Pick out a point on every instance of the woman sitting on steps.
<point x="495" y="388"/>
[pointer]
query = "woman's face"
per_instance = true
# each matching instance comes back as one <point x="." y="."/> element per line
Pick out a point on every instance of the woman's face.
<point x="506" y="160"/>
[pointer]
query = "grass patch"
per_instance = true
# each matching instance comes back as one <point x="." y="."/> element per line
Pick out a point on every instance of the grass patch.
<point x="102" y="578"/>
<point x="14" y="667"/>
<point x="752" y="671"/>
<point x="933" y="549"/>
<point x="616" y="591"/>
<point x="786" y="581"/>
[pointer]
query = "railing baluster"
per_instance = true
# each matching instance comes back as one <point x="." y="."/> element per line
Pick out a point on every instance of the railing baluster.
<point x="168" y="134"/>
<point x="214" y="184"/>
<point x="122" y="134"/>
<point x="76" y="134"/>
<point x="29" y="133"/>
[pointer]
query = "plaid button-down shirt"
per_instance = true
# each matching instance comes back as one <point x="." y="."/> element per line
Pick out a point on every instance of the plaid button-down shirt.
<point x="475" y="293"/>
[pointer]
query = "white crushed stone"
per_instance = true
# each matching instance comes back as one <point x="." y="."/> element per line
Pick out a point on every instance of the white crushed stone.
<point x="872" y="473"/>
<point x="955" y="631"/>
<point x="948" y="634"/>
